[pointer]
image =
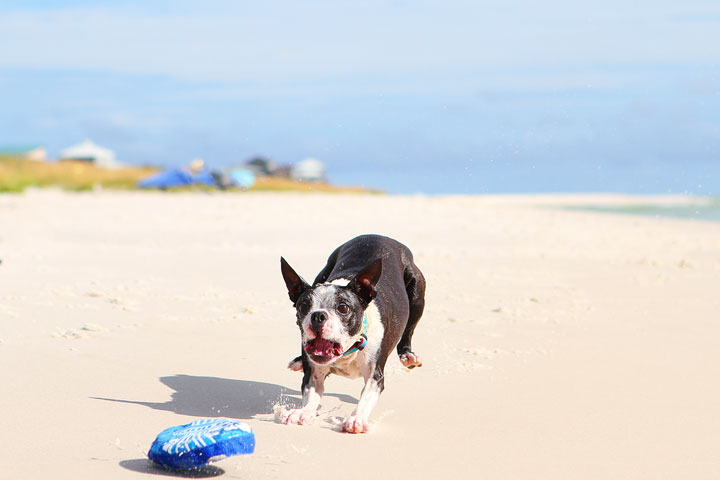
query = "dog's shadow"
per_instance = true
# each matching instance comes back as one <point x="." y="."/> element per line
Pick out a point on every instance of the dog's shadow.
<point x="215" y="397"/>
<point x="223" y="397"/>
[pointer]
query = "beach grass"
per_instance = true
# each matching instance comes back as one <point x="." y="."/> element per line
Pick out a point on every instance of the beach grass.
<point x="277" y="184"/>
<point x="17" y="174"/>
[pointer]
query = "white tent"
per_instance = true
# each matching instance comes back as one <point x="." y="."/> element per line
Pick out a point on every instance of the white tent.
<point x="309" y="170"/>
<point x="87" y="151"/>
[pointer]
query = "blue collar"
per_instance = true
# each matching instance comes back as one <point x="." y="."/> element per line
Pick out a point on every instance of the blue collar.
<point x="360" y="344"/>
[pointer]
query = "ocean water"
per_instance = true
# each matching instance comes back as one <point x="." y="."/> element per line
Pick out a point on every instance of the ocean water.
<point x="702" y="211"/>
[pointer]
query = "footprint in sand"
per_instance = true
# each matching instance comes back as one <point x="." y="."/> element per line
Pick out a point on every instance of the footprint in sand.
<point x="70" y="334"/>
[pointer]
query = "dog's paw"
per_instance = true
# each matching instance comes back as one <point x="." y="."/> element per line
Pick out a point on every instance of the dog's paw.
<point x="410" y="360"/>
<point x="355" y="424"/>
<point x="296" y="364"/>
<point x="297" y="416"/>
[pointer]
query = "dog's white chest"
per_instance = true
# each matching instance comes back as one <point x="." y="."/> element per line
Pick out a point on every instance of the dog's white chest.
<point x="358" y="363"/>
<point x="348" y="366"/>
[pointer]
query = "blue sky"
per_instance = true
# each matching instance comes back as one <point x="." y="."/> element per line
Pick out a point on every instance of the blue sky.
<point x="410" y="96"/>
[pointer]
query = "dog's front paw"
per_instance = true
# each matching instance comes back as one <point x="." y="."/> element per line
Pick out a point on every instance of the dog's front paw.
<point x="297" y="416"/>
<point x="355" y="424"/>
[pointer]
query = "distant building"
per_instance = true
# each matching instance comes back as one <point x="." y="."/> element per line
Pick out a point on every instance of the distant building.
<point x="28" y="152"/>
<point x="261" y="166"/>
<point x="283" y="171"/>
<point x="309" y="170"/>
<point x="87" y="151"/>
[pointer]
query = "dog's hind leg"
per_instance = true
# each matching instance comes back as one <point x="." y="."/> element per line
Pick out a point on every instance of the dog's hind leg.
<point x="415" y="287"/>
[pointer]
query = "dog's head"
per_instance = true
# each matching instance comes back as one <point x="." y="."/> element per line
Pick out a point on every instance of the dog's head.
<point x="330" y="315"/>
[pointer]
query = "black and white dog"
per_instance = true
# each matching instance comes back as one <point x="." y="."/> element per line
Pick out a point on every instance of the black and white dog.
<point x="365" y="302"/>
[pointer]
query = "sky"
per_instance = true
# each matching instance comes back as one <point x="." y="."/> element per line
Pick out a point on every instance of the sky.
<point x="408" y="96"/>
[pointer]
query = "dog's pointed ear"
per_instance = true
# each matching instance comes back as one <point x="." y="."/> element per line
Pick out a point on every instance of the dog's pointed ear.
<point x="364" y="282"/>
<point x="294" y="282"/>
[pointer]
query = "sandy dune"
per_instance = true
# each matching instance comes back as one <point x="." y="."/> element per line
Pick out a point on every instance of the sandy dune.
<point x="557" y="345"/>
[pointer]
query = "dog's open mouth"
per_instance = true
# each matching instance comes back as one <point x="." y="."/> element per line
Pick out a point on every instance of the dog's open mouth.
<point x="322" y="350"/>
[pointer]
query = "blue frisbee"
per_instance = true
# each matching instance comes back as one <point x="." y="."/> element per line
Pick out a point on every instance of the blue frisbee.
<point x="200" y="442"/>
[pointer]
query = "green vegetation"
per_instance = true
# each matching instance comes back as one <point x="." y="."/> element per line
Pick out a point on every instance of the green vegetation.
<point x="278" y="184"/>
<point x="17" y="174"/>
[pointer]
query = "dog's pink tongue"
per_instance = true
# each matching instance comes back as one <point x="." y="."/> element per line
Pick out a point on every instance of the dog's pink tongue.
<point x="323" y="348"/>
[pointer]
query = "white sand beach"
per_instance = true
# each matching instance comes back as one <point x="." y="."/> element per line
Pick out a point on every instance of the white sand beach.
<point x="557" y="344"/>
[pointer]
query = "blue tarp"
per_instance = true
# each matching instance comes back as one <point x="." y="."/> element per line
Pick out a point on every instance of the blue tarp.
<point x="176" y="177"/>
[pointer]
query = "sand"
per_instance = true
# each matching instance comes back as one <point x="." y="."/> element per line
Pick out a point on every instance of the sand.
<point x="557" y="344"/>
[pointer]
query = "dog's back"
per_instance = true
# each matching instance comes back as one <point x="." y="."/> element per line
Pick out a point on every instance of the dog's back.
<point x="401" y="289"/>
<point x="354" y="255"/>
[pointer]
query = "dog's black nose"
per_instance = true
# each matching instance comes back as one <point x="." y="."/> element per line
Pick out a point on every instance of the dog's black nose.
<point x="317" y="319"/>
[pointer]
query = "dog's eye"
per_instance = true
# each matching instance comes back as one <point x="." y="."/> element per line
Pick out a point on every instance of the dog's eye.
<point x="343" y="309"/>
<point x="303" y="308"/>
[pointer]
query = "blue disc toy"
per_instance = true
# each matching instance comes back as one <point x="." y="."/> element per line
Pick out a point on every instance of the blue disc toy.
<point x="195" y="444"/>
